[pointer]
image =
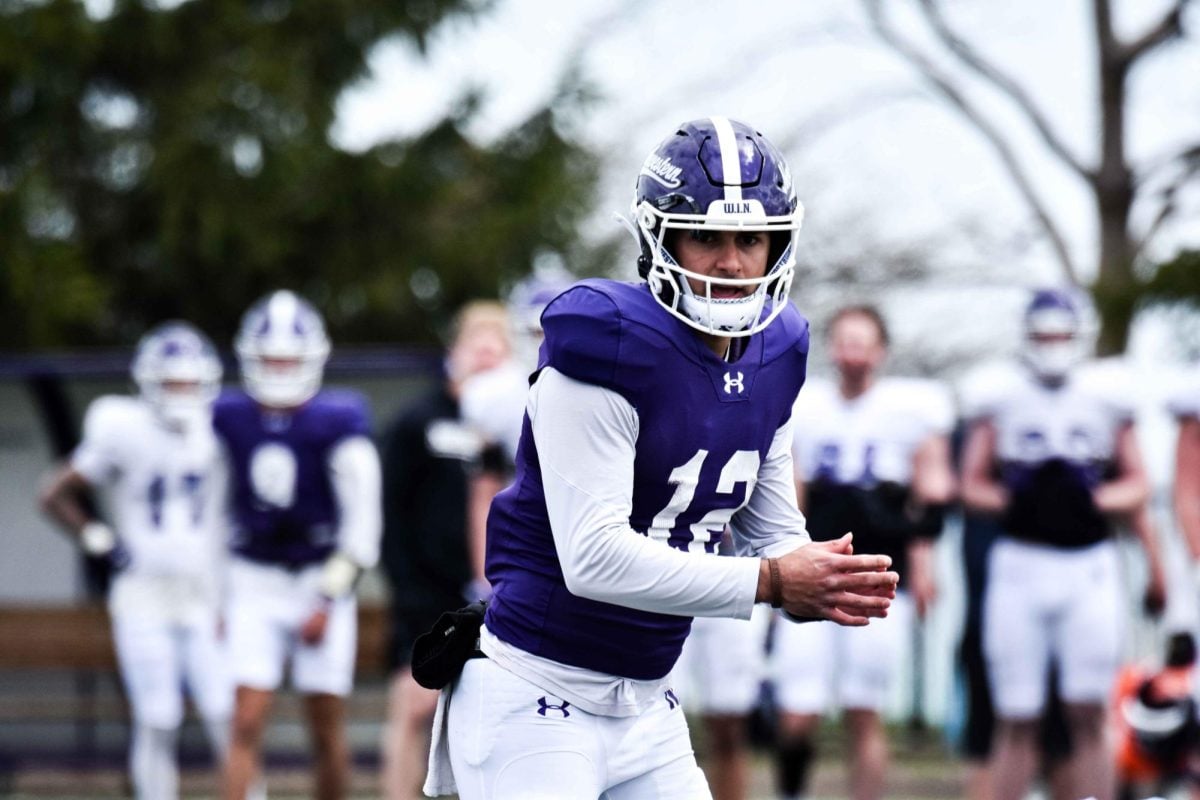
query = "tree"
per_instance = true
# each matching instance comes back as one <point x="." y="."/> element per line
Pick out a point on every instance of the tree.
<point x="175" y="161"/>
<point x="1124" y="279"/>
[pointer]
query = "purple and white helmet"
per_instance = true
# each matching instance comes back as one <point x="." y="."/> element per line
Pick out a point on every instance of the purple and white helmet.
<point x="717" y="174"/>
<point x="282" y="348"/>
<point x="1053" y="327"/>
<point x="177" y="371"/>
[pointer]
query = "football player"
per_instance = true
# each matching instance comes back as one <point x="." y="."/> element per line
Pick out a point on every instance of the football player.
<point x="155" y="458"/>
<point x="660" y="413"/>
<point x="429" y="453"/>
<point x="1056" y="457"/>
<point x="872" y="456"/>
<point x="305" y="507"/>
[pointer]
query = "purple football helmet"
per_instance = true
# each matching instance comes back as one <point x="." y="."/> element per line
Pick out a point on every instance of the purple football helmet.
<point x="177" y="371"/>
<point x="717" y="174"/>
<point x="282" y="348"/>
<point x="1053" y="324"/>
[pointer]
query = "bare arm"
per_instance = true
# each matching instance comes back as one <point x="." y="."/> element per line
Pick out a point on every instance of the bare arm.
<point x="980" y="491"/>
<point x="1130" y="489"/>
<point x="933" y="484"/>
<point x="483" y="487"/>
<point x="1142" y="523"/>
<point x="60" y="499"/>
<point x="1187" y="483"/>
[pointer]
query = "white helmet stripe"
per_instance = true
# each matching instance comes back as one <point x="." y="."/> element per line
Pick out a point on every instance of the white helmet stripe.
<point x="281" y="311"/>
<point x="731" y="165"/>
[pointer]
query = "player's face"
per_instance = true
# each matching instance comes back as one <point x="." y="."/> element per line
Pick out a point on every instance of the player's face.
<point x="722" y="254"/>
<point x="478" y="349"/>
<point x="856" y="347"/>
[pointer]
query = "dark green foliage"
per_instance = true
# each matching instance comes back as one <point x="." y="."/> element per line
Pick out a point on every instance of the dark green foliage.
<point x="176" y="163"/>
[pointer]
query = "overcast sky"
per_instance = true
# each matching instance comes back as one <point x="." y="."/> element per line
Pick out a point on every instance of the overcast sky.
<point x="868" y="144"/>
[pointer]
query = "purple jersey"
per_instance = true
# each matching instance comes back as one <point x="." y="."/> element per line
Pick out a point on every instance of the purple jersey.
<point x="697" y="414"/>
<point x="284" y="508"/>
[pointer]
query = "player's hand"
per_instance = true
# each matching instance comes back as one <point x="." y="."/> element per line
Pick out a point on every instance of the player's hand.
<point x="825" y="580"/>
<point x="313" y="629"/>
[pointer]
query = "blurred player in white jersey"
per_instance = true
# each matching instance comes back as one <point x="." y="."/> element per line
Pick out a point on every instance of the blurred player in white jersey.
<point x="155" y="457"/>
<point x="872" y="456"/>
<point x="305" y="506"/>
<point x="719" y="676"/>
<point x="1056" y="458"/>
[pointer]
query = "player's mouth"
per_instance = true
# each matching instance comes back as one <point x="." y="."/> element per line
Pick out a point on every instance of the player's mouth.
<point x="729" y="292"/>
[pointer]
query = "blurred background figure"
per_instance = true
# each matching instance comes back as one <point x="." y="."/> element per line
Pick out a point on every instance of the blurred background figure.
<point x="872" y="457"/>
<point x="156" y="459"/>
<point x="493" y="402"/>
<point x="719" y="675"/>
<point x="429" y="452"/>
<point x="1056" y="458"/>
<point x="1155" y="725"/>
<point x="305" y="507"/>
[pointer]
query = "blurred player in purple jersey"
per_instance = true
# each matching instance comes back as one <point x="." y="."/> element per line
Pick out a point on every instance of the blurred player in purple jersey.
<point x="660" y="413"/>
<point x="429" y="454"/>
<point x="872" y="456"/>
<point x="156" y="459"/>
<point x="305" y="510"/>
<point x="1056" y="457"/>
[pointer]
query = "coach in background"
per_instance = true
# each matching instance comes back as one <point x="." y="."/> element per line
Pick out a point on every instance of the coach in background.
<point x="155" y="457"/>
<point x="872" y="456"/>
<point x="429" y="453"/>
<point x="1056" y="457"/>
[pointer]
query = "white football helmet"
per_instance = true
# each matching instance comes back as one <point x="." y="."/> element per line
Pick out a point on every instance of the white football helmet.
<point x="282" y="349"/>
<point x="1053" y="335"/>
<point x="178" y="373"/>
<point x="717" y="174"/>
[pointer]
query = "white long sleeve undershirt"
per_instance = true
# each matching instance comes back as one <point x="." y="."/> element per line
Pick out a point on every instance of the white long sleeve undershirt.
<point x="586" y="439"/>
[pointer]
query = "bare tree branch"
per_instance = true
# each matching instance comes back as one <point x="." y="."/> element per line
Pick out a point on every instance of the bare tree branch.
<point x="1166" y="29"/>
<point x="1002" y="147"/>
<point x="993" y="75"/>
<point x="1168" y="196"/>
<point x="1186" y="156"/>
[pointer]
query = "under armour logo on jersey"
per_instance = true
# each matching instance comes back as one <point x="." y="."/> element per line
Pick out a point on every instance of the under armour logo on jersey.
<point x="731" y="381"/>
<point x="672" y="700"/>
<point x="544" y="706"/>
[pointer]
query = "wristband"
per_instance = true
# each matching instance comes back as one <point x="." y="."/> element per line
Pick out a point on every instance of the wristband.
<point x="338" y="576"/>
<point x="776" y="583"/>
<point x="97" y="538"/>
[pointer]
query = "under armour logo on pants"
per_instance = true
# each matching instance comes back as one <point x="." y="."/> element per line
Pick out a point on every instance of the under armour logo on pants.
<point x="672" y="700"/>
<point x="544" y="706"/>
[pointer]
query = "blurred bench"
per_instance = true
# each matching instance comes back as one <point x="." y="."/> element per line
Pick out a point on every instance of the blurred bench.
<point x="79" y="637"/>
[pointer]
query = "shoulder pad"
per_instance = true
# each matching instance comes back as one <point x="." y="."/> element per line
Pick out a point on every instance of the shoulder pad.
<point x="787" y="334"/>
<point x="346" y="409"/>
<point x="111" y="417"/>
<point x="582" y="334"/>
